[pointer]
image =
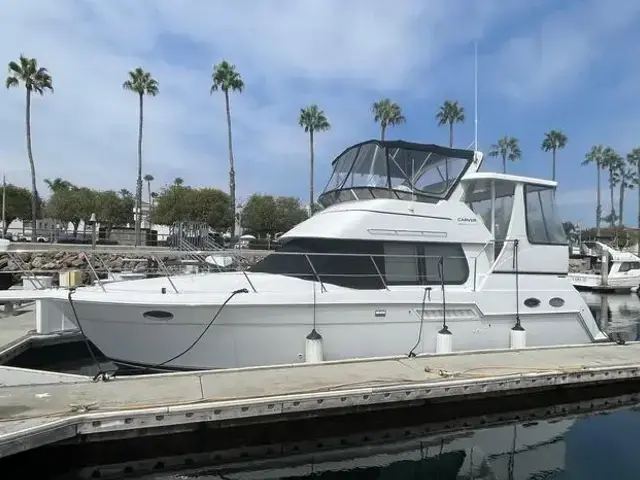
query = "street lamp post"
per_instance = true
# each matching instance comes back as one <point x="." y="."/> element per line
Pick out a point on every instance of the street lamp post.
<point x="93" y="222"/>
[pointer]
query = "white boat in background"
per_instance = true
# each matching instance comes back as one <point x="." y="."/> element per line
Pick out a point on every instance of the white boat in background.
<point x="605" y="268"/>
<point x="415" y="252"/>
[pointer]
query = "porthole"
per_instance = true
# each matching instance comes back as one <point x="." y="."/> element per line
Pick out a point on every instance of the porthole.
<point x="532" y="302"/>
<point x="158" y="315"/>
<point x="556" y="302"/>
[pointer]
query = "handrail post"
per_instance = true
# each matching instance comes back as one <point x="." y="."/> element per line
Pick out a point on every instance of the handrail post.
<point x="22" y="265"/>
<point x="93" y="270"/>
<point x="166" y="272"/>
<point x="379" y="272"/>
<point x="306" y="255"/>
<point x="109" y="274"/>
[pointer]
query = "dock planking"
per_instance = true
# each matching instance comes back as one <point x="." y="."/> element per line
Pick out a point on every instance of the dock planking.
<point x="37" y="415"/>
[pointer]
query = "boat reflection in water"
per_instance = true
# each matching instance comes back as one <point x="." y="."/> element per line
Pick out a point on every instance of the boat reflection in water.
<point x="617" y="314"/>
<point x="575" y="445"/>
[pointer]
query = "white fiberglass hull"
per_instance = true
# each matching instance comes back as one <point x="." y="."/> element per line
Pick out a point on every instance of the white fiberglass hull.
<point x="270" y="327"/>
<point x="594" y="281"/>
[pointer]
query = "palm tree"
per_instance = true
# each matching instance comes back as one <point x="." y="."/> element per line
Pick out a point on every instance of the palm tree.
<point x="633" y="159"/>
<point x="450" y="113"/>
<point x="387" y="113"/>
<point x="507" y="148"/>
<point x="142" y="83"/>
<point x="626" y="180"/>
<point x="612" y="161"/>
<point x="35" y="79"/>
<point x="58" y="184"/>
<point x="596" y="156"/>
<point x="149" y="178"/>
<point x="554" y="140"/>
<point x="225" y="78"/>
<point x="312" y="119"/>
<point x="178" y="181"/>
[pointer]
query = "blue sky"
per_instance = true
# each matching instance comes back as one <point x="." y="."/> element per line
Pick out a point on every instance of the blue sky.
<point x="543" y="64"/>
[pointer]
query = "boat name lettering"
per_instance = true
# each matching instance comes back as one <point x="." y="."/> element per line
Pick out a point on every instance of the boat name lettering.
<point x="467" y="220"/>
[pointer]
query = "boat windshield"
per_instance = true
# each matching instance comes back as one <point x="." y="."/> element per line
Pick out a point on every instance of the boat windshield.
<point x="395" y="169"/>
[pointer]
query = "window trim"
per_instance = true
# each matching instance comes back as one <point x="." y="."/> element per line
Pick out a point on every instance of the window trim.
<point x="526" y="216"/>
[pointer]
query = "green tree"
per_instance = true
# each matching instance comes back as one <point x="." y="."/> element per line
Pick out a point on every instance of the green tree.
<point x="554" y="140"/>
<point x="289" y="213"/>
<point x="596" y="156"/>
<point x="226" y="78"/>
<point x="312" y="119"/>
<point x="171" y="205"/>
<point x="178" y="181"/>
<point x="17" y="205"/>
<point x="210" y="206"/>
<point x="386" y="112"/>
<point x="35" y="79"/>
<point x="72" y="205"/>
<point x="507" y="148"/>
<point x="633" y="159"/>
<point x="260" y="215"/>
<point x="141" y="83"/>
<point x="450" y="112"/>
<point x="113" y="210"/>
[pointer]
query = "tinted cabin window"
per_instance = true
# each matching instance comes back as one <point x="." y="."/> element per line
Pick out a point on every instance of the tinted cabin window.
<point x="543" y="223"/>
<point x="361" y="262"/>
<point x="356" y="270"/>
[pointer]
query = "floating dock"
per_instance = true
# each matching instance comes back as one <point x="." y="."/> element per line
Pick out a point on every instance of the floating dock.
<point x="22" y="328"/>
<point x="76" y="409"/>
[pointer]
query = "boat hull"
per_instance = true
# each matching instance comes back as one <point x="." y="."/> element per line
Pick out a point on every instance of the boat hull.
<point x="268" y="329"/>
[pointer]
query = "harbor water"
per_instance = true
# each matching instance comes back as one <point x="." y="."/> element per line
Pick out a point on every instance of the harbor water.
<point x="566" y="441"/>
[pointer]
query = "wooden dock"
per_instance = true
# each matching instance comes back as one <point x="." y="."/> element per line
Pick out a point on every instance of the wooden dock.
<point x="125" y="407"/>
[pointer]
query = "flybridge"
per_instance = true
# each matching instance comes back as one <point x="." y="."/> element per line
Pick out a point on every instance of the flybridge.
<point x="397" y="169"/>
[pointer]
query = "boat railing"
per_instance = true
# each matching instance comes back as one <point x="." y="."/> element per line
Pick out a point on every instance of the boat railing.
<point x="312" y="266"/>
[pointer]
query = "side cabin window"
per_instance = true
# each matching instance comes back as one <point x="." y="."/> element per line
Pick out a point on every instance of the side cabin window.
<point x="627" y="266"/>
<point x="544" y="226"/>
<point x="363" y="264"/>
<point x="478" y="197"/>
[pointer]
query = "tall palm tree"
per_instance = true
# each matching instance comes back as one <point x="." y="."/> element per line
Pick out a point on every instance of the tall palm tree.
<point x="141" y="83"/>
<point x="450" y="112"/>
<point x="596" y="156"/>
<point x="312" y="119"/>
<point x="35" y="80"/>
<point x="612" y="162"/>
<point x="633" y="159"/>
<point x="178" y="181"/>
<point x="387" y="113"/>
<point x="226" y="78"/>
<point x="149" y="178"/>
<point x="554" y="140"/>
<point x="625" y="179"/>
<point x="507" y="148"/>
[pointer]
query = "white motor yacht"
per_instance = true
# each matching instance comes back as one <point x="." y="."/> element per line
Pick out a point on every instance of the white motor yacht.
<point x="413" y="241"/>
<point x="606" y="268"/>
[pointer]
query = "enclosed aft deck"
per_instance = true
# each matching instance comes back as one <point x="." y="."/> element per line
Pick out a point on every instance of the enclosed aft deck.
<point x="413" y="243"/>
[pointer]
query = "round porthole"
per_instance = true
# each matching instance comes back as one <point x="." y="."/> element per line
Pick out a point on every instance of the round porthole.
<point x="158" y="315"/>
<point x="532" y="302"/>
<point x="556" y="302"/>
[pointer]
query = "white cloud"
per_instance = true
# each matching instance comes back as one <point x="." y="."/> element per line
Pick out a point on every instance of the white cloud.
<point x="543" y="63"/>
<point x="341" y="55"/>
